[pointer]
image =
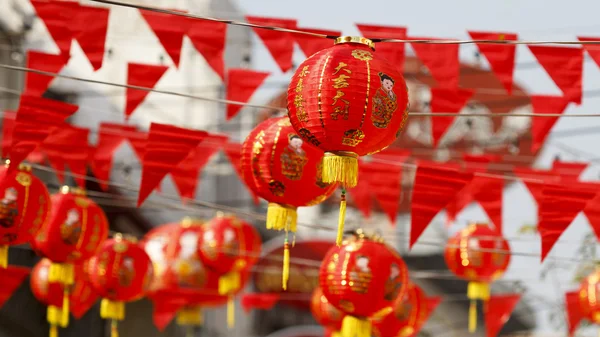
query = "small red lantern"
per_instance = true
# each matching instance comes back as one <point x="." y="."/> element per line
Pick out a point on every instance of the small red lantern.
<point x="283" y="170"/>
<point x="409" y="315"/>
<point x="120" y="272"/>
<point x="480" y="255"/>
<point x="589" y="292"/>
<point x="325" y="313"/>
<point x="24" y="207"/>
<point x="81" y="295"/>
<point x="362" y="278"/>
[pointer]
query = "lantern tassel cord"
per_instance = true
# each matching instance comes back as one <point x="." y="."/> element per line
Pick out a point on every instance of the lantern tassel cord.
<point x="53" y="331"/>
<point x="64" y="319"/>
<point x="341" y="219"/>
<point x="285" y="273"/>
<point x="473" y="316"/>
<point x="3" y="256"/>
<point x="230" y="312"/>
<point x="114" y="329"/>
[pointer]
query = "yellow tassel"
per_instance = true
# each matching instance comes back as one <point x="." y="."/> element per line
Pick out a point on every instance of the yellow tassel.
<point x="3" y="256"/>
<point x="281" y="217"/>
<point x="340" y="167"/>
<point x="54" y="316"/>
<point x="190" y="316"/>
<point x="473" y="316"/>
<point x="230" y="312"/>
<point x="341" y="219"/>
<point x="336" y="334"/>
<point x="229" y="283"/>
<point x="53" y="331"/>
<point x="114" y="329"/>
<point x="63" y="273"/>
<point x="478" y="291"/>
<point x="355" y="327"/>
<point x="64" y="317"/>
<point x="112" y="310"/>
<point x="285" y="273"/>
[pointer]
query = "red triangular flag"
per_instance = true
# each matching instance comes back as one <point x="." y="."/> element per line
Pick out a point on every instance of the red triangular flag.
<point x="386" y="186"/>
<point x="440" y="59"/>
<point x="68" y="145"/>
<point x="560" y="205"/>
<point x="434" y="188"/>
<point x="592" y="213"/>
<point x="432" y="303"/>
<point x="312" y="44"/>
<point x="186" y="174"/>
<point x="262" y="301"/>
<point x="446" y="101"/>
<point x="208" y="37"/>
<point x="573" y="309"/>
<point x="110" y="137"/>
<point x="498" y="311"/>
<point x="169" y="30"/>
<point x="140" y="75"/>
<point x="487" y="191"/>
<point x="138" y="141"/>
<point x="233" y="151"/>
<point x="565" y="66"/>
<point x="58" y="19"/>
<point x="37" y="84"/>
<point x="361" y="193"/>
<point x="165" y="310"/>
<point x="393" y="52"/>
<point x="540" y="125"/>
<point x="569" y="170"/>
<point x="90" y="33"/>
<point x="8" y="124"/>
<point x="592" y="49"/>
<point x="280" y="44"/>
<point x="501" y="57"/>
<point x="241" y="85"/>
<point x="535" y="180"/>
<point x="167" y="146"/>
<point x="11" y="277"/>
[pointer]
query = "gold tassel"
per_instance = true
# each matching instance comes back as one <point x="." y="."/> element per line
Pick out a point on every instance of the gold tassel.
<point x="114" y="329"/>
<point x="3" y="256"/>
<point x="473" y="316"/>
<point x="230" y="312"/>
<point x="355" y="327"/>
<point x="341" y="218"/>
<point x="336" y="334"/>
<point x="476" y="291"/>
<point x="285" y="273"/>
<point x="64" y="317"/>
<point x="280" y="217"/>
<point x="340" y="167"/>
<point x="229" y="283"/>
<point x="112" y="310"/>
<point x="190" y="316"/>
<point x="53" y="331"/>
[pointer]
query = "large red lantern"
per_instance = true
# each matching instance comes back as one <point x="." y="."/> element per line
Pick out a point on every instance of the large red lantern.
<point x="589" y="292"/>
<point x="362" y="278"/>
<point x="409" y="315"/>
<point x="81" y="295"/>
<point x="24" y="207"/>
<point x="283" y="170"/>
<point x="480" y="255"/>
<point x="120" y="272"/>
<point x="325" y="313"/>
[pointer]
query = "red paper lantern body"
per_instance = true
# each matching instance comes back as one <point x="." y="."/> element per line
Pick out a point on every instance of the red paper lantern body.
<point x="348" y="101"/>
<point x="589" y="291"/>
<point x="408" y="316"/>
<point x="362" y="277"/>
<point x="24" y="208"/>
<point x="324" y="312"/>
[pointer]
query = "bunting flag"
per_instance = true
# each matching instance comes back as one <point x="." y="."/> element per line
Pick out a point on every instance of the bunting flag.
<point x="312" y="44"/>
<point x="170" y="30"/>
<point x="498" y="311"/>
<point x="573" y="309"/>
<point x="487" y="191"/>
<point x="68" y="145"/>
<point x="140" y="75"/>
<point x="36" y="119"/>
<point x="386" y="186"/>
<point x="440" y="59"/>
<point x="565" y="66"/>
<point x="167" y="146"/>
<point x="569" y="170"/>
<point x="361" y="193"/>
<point x="592" y="49"/>
<point x="260" y="301"/>
<point x="501" y="57"/>
<point x="110" y="137"/>
<point x="12" y="277"/>
<point x="8" y="124"/>
<point x="233" y="151"/>
<point x="241" y="85"/>
<point x="535" y="180"/>
<point x="208" y="37"/>
<point x="57" y="17"/>
<point x="541" y="126"/>
<point x="446" y="101"/>
<point x="393" y="52"/>
<point x="165" y="309"/>
<point x="280" y="44"/>
<point x="592" y="213"/>
<point x="91" y="31"/>
<point x="186" y="174"/>
<point x="138" y="141"/>
<point x="560" y="205"/>
<point x="434" y="188"/>
<point x="37" y="84"/>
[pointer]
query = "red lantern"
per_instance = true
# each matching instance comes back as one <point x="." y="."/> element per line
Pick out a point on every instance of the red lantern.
<point x="409" y="315"/>
<point x="283" y="170"/>
<point x="479" y="255"/>
<point x="325" y="313"/>
<point x="120" y="272"/>
<point x="81" y="295"/>
<point x="589" y="290"/>
<point x="362" y="278"/>
<point x="24" y="207"/>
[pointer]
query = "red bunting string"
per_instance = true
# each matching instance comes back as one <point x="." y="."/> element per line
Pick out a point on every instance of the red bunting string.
<point x="208" y="38"/>
<point x="540" y="127"/>
<point x="167" y="146"/>
<point x="186" y="174"/>
<point x="280" y="44"/>
<point x="110" y="137"/>
<point x="573" y="309"/>
<point x="68" y="145"/>
<point x="259" y="301"/>
<point x="233" y="151"/>
<point x="57" y="17"/>
<point x="497" y="312"/>
<point x="11" y="278"/>
<point x="141" y="75"/>
<point x="90" y="32"/>
<point x="386" y="186"/>
<point x="446" y="101"/>
<point x="8" y="123"/>
<point x="170" y="30"/>
<point x="560" y="205"/>
<point x="37" y="84"/>
<point x="434" y="188"/>
<point x="393" y="52"/>
<point x="441" y="60"/>
<point x="569" y="170"/>
<point x="592" y="49"/>
<point x="565" y="66"/>
<point x="241" y="85"/>
<point x="312" y="44"/>
<point x="501" y="57"/>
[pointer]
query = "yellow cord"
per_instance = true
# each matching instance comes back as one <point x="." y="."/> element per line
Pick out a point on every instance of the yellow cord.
<point x="341" y="219"/>
<point x="230" y="312"/>
<point x="285" y="274"/>
<point x="473" y="316"/>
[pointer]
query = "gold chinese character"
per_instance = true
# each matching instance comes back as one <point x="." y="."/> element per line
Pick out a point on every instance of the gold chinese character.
<point x="340" y="110"/>
<point x="341" y="81"/>
<point x="304" y="72"/>
<point x="338" y="95"/>
<point x="299" y="86"/>
<point x="341" y="66"/>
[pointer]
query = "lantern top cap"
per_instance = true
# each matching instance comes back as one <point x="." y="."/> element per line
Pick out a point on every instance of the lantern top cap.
<point x="355" y="39"/>
<point x="73" y="190"/>
<point x="22" y="167"/>
<point x="189" y="221"/>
